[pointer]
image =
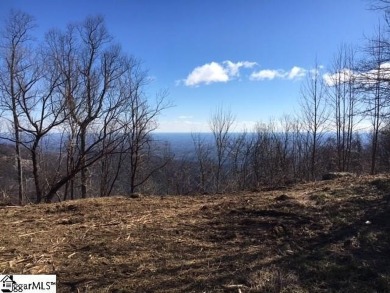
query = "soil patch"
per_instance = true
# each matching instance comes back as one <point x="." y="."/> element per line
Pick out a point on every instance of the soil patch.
<point x="329" y="236"/>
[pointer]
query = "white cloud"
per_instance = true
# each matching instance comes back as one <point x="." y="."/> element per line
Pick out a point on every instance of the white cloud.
<point x="233" y="68"/>
<point x="372" y="76"/>
<point x="216" y="72"/>
<point x="385" y="66"/>
<point x="329" y="78"/>
<point x="267" y="74"/>
<point x="342" y="76"/>
<point x="364" y="77"/>
<point x="296" y="72"/>
<point x="270" y="74"/>
<point x="208" y="73"/>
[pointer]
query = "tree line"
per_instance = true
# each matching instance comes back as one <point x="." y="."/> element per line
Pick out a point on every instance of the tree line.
<point x="76" y="89"/>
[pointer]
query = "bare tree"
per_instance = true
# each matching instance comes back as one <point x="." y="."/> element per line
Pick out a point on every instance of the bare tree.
<point x="109" y="168"/>
<point x="16" y="64"/>
<point x="41" y="110"/>
<point x="99" y="67"/>
<point x="269" y="154"/>
<point x="61" y="52"/>
<point x="97" y="86"/>
<point x="140" y="121"/>
<point x="343" y="99"/>
<point x="221" y="123"/>
<point x="203" y="156"/>
<point x="300" y="149"/>
<point x="314" y="113"/>
<point x="384" y="6"/>
<point x="239" y="156"/>
<point x="373" y="83"/>
<point x="90" y="67"/>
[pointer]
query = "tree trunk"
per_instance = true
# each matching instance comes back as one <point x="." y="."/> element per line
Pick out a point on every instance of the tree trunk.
<point x="83" y="159"/>
<point x="34" y="158"/>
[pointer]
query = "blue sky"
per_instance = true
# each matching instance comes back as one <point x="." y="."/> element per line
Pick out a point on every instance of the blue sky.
<point x="247" y="55"/>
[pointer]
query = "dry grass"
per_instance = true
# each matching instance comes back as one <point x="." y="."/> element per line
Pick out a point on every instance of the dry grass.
<point x="314" y="239"/>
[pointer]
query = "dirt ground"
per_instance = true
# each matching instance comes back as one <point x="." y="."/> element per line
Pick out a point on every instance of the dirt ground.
<point x="328" y="236"/>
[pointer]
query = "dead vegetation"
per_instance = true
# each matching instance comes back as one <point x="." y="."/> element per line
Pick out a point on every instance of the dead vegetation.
<point x="328" y="236"/>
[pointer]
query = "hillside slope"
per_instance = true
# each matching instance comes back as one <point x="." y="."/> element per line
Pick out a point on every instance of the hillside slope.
<point x="317" y="237"/>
